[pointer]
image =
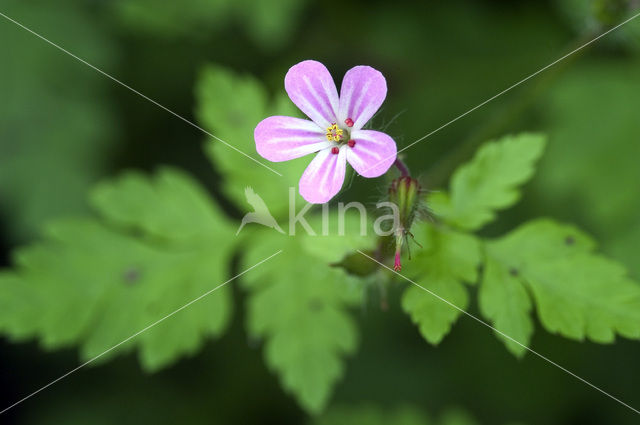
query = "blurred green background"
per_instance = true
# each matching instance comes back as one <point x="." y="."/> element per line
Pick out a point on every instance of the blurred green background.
<point x="63" y="127"/>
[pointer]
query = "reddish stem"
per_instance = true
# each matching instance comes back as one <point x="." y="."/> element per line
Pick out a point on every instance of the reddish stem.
<point x="402" y="167"/>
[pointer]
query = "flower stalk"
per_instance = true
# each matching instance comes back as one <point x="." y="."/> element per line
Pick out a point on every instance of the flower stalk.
<point x="402" y="167"/>
<point x="404" y="192"/>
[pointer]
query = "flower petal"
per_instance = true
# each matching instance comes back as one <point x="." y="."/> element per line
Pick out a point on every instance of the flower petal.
<point x="324" y="176"/>
<point x="361" y="95"/>
<point x="311" y="88"/>
<point x="373" y="153"/>
<point x="281" y="138"/>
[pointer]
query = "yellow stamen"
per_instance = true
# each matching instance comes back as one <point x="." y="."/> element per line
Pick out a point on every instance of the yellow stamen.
<point x="334" y="133"/>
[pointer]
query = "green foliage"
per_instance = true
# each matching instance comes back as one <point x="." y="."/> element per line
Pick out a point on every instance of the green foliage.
<point x="230" y="106"/>
<point x="55" y="129"/>
<point x="267" y="22"/>
<point x="171" y="207"/>
<point x="600" y="187"/>
<point x="160" y="244"/>
<point x="505" y="302"/>
<point x="489" y="182"/>
<point x="153" y="235"/>
<point x="577" y="293"/>
<point x="448" y="259"/>
<point x="298" y="303"/>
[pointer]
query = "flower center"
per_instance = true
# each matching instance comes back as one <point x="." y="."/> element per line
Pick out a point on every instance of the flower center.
<point x="340" y="136"/>
<point x="334" y="133"/>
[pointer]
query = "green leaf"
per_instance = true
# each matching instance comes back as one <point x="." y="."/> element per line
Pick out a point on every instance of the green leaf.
<point x="578" y="293"/>
<point x="447" y="259"/>
<point x="172" y="206"/>
<point x="230" y="107"/>
<point x="299" y="304"/>
<point x="368" y="414"/>
<point x="504" y="300"/>
<point x="120" y="275"/>
<point x="489" y="182"/>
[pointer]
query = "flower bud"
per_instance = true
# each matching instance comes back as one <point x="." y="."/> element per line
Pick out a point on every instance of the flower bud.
<point x="404" y="192"/>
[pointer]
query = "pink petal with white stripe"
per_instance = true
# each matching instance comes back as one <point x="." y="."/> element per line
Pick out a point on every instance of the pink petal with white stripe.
<point x="311" y="88"/>
<point x="373" y="153"/>
<point x="324" y="176"/>
<point x="361" y="95"/>
<point x="281" y="138"/>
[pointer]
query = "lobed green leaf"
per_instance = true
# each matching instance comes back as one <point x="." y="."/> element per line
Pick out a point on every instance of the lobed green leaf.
<point x="489" y="182"/>
<point x="578" y="293"/>
<point x="299" y="304"/>
<point x="95" y="283"/>
<point x="447" y="259"/>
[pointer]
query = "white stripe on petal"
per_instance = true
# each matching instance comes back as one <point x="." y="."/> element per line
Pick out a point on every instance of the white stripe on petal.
<point x="311" y="88"/>
<point x="324" y="176"/>
<point x="373" y="153"/>
<point x="283" y="138"/>
<point x="362" y="92"/>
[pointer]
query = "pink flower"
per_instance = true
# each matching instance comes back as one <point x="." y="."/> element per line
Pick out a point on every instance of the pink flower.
<point x="397" y="263"/>
<point x="335" y="131"/>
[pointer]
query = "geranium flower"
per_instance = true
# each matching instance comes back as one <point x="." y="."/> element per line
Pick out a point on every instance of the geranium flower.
<point x="335" y="131"/>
